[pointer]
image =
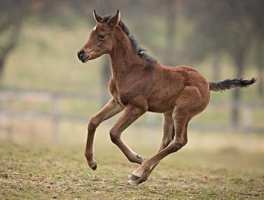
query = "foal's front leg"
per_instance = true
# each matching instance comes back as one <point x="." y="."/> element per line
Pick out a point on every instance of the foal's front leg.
<point x="130" y="114"/>
<point x="108" y="111"/>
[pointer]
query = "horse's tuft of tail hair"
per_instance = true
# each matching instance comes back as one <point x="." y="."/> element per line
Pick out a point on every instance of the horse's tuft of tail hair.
<point x="230" y="83"/>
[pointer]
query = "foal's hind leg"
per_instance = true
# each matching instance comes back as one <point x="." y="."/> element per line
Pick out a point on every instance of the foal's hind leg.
<point x="108" y="111"/>
<point x="168" y="130"/>
<point x="188" y="105"/>
<point x="168" y="135"/>
<point x="142" y="173"/>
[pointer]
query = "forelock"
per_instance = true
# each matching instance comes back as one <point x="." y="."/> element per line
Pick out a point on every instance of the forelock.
<point x="105" y="19"/>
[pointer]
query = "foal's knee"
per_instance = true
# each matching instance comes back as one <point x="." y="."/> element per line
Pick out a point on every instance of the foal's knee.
<point x="93" y="124"/>
<point x="114" y="136"/>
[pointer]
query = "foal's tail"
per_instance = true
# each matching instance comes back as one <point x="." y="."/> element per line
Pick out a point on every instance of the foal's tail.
<point x="230" y="83"/>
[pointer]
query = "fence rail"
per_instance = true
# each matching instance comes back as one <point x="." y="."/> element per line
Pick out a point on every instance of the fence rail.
<point x="56" y="116"/>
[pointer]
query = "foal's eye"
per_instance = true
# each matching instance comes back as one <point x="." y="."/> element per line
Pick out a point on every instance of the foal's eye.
<point x="101" y="37"/>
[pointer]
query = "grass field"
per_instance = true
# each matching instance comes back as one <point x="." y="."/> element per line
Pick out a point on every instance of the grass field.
<point x="201" y="170"/>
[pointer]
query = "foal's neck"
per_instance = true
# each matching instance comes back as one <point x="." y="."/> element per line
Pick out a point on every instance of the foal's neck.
<point x="123" y="56"/>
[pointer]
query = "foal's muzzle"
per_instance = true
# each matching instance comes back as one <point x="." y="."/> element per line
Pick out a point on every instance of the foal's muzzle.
<point x="82" y="57"/>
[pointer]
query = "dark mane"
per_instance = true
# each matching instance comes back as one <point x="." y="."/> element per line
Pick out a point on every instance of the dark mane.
<point x="141" y="52"/>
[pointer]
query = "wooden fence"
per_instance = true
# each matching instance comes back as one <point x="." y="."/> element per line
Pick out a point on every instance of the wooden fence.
<point x="10" y="98"/>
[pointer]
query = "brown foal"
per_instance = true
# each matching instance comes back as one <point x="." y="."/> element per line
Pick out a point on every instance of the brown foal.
<point x="140" y="84"/>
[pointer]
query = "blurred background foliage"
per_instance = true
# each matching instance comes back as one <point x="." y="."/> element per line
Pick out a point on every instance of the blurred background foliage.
<point x="39" y="40"/>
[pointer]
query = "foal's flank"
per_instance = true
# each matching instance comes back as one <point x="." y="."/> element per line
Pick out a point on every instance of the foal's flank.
<point x="139" y="83"/>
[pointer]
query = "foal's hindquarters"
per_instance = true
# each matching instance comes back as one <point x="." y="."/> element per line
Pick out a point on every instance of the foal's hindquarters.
<point x="192" y="100"/>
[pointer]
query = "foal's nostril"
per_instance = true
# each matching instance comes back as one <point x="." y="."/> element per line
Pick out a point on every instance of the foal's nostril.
<point x="81" y="53"/>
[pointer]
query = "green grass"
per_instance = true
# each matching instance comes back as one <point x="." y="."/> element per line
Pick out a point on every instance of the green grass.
<point x="211" y="166"/>
<point x="35" y="171"/>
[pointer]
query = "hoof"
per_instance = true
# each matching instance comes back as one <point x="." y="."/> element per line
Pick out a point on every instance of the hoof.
<point x="134" y="177"/>
<point x="130" y="182"/>
<point x="135" y="180"/>
<point x="94" y="167"/>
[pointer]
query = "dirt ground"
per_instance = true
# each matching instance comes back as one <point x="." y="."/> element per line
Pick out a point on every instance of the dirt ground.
<point x="41" y="171"/>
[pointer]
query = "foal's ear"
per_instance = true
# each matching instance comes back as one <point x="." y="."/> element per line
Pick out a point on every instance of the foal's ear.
<point x="97" y="17"/>
<point x="113" y="21"/>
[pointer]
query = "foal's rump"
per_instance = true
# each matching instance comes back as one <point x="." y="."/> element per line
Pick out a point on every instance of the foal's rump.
<point x="193" y="77"/>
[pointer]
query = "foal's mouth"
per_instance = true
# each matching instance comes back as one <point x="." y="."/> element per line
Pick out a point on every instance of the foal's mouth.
<point x="82" y="56"/>
<point x="84" y="59"/>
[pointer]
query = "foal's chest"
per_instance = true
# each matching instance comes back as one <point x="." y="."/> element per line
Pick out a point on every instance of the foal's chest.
<point x="118" y="93"/>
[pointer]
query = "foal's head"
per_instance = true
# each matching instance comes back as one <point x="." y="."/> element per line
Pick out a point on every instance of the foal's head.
<point x="101" y="38"/>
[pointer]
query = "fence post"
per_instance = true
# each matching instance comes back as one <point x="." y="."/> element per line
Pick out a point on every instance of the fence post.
<point x="56" y="117"/>
<point x="247" y="124"/>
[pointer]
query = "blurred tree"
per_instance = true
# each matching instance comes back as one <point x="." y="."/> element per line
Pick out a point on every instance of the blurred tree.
<point x="260" y="64"/>
<point x="11" y="16"/>
<point x="14" y="12"/>
<point x="257" y="19"/>
<point x="225" y="26"/>
<point x="170" y="31"/>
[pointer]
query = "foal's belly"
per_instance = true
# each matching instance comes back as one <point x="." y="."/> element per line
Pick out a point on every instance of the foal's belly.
<point x="161" y="106"/>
